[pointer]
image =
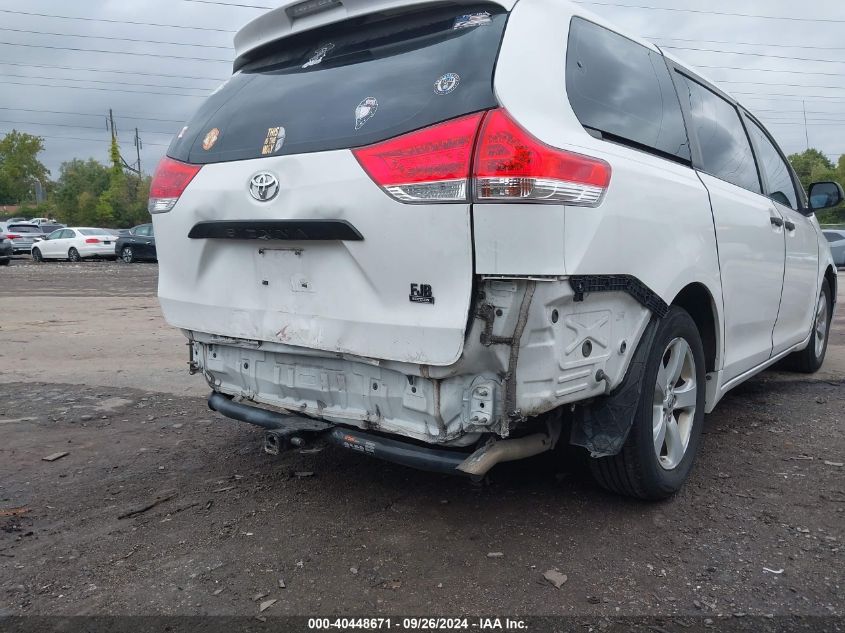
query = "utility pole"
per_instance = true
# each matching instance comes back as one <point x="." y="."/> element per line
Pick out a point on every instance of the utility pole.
<point x="806" y="129"/>
<point x="111" y="125"/>
<point x="138" y="146"/>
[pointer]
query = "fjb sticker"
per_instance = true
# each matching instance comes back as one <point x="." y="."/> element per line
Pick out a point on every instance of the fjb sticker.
<point x="471" y="20"/>
<point x="422" y="293"/>
<point x="365" y="111"/>
<point x="447" y="84"/>
<point x="318" y="56"/>
<point x="274" y="142"/>
<point x="210" y="139"/>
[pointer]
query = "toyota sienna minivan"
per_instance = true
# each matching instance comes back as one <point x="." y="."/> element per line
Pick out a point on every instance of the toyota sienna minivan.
<point x="452" y="234"/>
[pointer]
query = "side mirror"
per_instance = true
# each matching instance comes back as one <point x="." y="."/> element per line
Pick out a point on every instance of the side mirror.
<point x="826" y="195"/>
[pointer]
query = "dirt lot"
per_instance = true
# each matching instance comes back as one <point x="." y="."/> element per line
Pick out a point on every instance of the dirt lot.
<point x="87" y="366"/>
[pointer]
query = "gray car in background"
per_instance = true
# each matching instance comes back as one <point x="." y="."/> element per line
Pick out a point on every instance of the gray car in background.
<point x="23" y="236"/>
<point x="5" y="250"/>
<point x="837" y="245"/>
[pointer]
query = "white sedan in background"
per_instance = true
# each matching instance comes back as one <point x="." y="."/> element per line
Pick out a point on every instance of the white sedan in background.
<point x="75" y="244"/>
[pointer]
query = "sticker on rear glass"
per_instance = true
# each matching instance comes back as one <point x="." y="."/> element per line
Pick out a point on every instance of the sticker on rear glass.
<point x="447" y="84"/>
<point x="274" y="142"/>
<point x="365" y="111"/>
<point x="319" y="55"/>
<point x="182" y="133"/>
<point x="471" y="20"/>
<point x="210" y="139"/>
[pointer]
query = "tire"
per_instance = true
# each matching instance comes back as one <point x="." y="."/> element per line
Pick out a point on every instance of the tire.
<point x="672" y="416"/>
<point x="36" y="255"/>
<point x="811" y="359"/>
<point x="128" y="255"/>
<point x="5" y="262"/>
<point x="73" y="255"/>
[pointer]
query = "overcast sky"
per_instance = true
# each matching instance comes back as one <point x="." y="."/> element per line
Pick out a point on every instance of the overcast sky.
<point x="35" y="77"/>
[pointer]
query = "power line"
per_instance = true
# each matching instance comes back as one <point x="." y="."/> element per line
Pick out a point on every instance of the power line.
<point x="93" y="50"/>
<point x="140" y="92"/>
<point x="70" y="17"/>
<point x="101" y="70"/>
<point x="724" y="13"/>
<point x="75" y="138"/>
<point x="808" y="98"/>
<point x="122" y="116"/>
<point x="680" y="39"/>
<point x="120" y="39"/>
<point x="776" y="83"/>
<point x="77" y="127"/>
<point x="101" y="81"/>
<point x="769" y="70"/>
<point x="716" y="50"/>
<point x="230" y="4"/>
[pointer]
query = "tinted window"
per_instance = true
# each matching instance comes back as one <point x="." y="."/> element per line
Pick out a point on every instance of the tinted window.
<point x="725" y="149"/>
<point x="23" y="228"/>
<point x="142" y="231"/>
<point x="623" y="90"/>
<point x="834" y="237"/>
<point x="49" y="228"/>
<point x="779" y="184"/>
<point x="351" y="84"/>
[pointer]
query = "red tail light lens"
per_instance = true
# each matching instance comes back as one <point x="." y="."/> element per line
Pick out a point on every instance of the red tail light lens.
<point x="512" y="165"/>
<point x="11" y="236"/>
<point x="430" y="165"/>
<point x="92" y="240"/>
<point x="169" y="183"/>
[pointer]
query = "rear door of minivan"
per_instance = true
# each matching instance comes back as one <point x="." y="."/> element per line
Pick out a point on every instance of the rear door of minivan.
<point x="327" y="213"/>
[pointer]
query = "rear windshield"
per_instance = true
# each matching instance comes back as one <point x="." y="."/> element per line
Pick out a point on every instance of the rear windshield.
<point x="834" y="237"/>
<point x="348" y="85"/>
<point x="24" y="228"/>
<point x="90" y="232"/>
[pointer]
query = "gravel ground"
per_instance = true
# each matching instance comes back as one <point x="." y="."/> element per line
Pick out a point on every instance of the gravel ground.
<point x="163" y="507"/>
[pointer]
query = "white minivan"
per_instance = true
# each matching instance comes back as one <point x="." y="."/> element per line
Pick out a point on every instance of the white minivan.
<point x="450" y="234"/>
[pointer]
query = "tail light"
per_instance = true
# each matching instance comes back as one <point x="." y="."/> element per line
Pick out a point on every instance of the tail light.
<point x="92" y="240"/>
<point x="504" y="162"/>
<point x="430" y="165"/>
<point x="11" y="236"/>
<point x="512" y="165"/>
<point x="169" y="183"/>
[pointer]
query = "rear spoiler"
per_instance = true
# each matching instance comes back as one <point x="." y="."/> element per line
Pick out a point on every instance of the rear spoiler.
<point x="297" y="16"/>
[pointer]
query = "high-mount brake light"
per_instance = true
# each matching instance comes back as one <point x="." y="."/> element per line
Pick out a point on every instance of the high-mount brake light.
<point x="169" y="183"/>
<point x="429" y="165"/>
<point x="511" y="165"/>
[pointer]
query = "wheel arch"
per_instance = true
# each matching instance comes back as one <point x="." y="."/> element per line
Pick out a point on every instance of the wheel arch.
<point x="698" y="301"/>
<point x="832" y="280"/>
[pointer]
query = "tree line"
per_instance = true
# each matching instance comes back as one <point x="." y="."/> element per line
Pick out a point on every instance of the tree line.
<point x="90" y="193"/>
<point x="86" y="193"/>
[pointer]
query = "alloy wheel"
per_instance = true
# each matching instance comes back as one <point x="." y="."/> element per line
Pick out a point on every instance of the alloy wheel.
<point x="820" y="330"/>
<point x="675" y="398"/>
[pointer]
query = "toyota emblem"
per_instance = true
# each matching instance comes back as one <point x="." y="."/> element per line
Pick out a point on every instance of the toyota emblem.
<point x="264" y="187"/>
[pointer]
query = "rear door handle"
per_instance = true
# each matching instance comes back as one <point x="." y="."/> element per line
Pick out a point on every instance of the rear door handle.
<point x="778" y="222"/>
<point x="790" y="226"/>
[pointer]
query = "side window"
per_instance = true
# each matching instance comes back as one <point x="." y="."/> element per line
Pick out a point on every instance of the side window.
<point x="143" y="231"/>
<point x="779" y="184"/>
<point x="624" y="90"/>
<point x="55" y="235"/>
<point x="725" y="149"/>
<point x="67" y="234"/>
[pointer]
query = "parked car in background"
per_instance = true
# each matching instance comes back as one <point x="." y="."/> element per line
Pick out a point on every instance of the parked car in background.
<point x="5" y="250"/>
<point x="139" y="245"/>
<point x="120" y="232"/>
<point x="75" y="244"/>
<point x="836" y="238"/>
<point x="46" y="228"/>
<point x="23" y="235"/>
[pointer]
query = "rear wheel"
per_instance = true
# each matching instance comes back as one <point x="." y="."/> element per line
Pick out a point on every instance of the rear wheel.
<point x="811" y="359"/>
<point x="660" y="450"/>
<point x="36" y="255"/>
<point x="5" y="262"/>
<point x="73" y="255"/>
<point x="127" y="254"/>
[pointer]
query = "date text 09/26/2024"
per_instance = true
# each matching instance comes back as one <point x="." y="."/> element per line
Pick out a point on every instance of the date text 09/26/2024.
<point x="417" y="624"/>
